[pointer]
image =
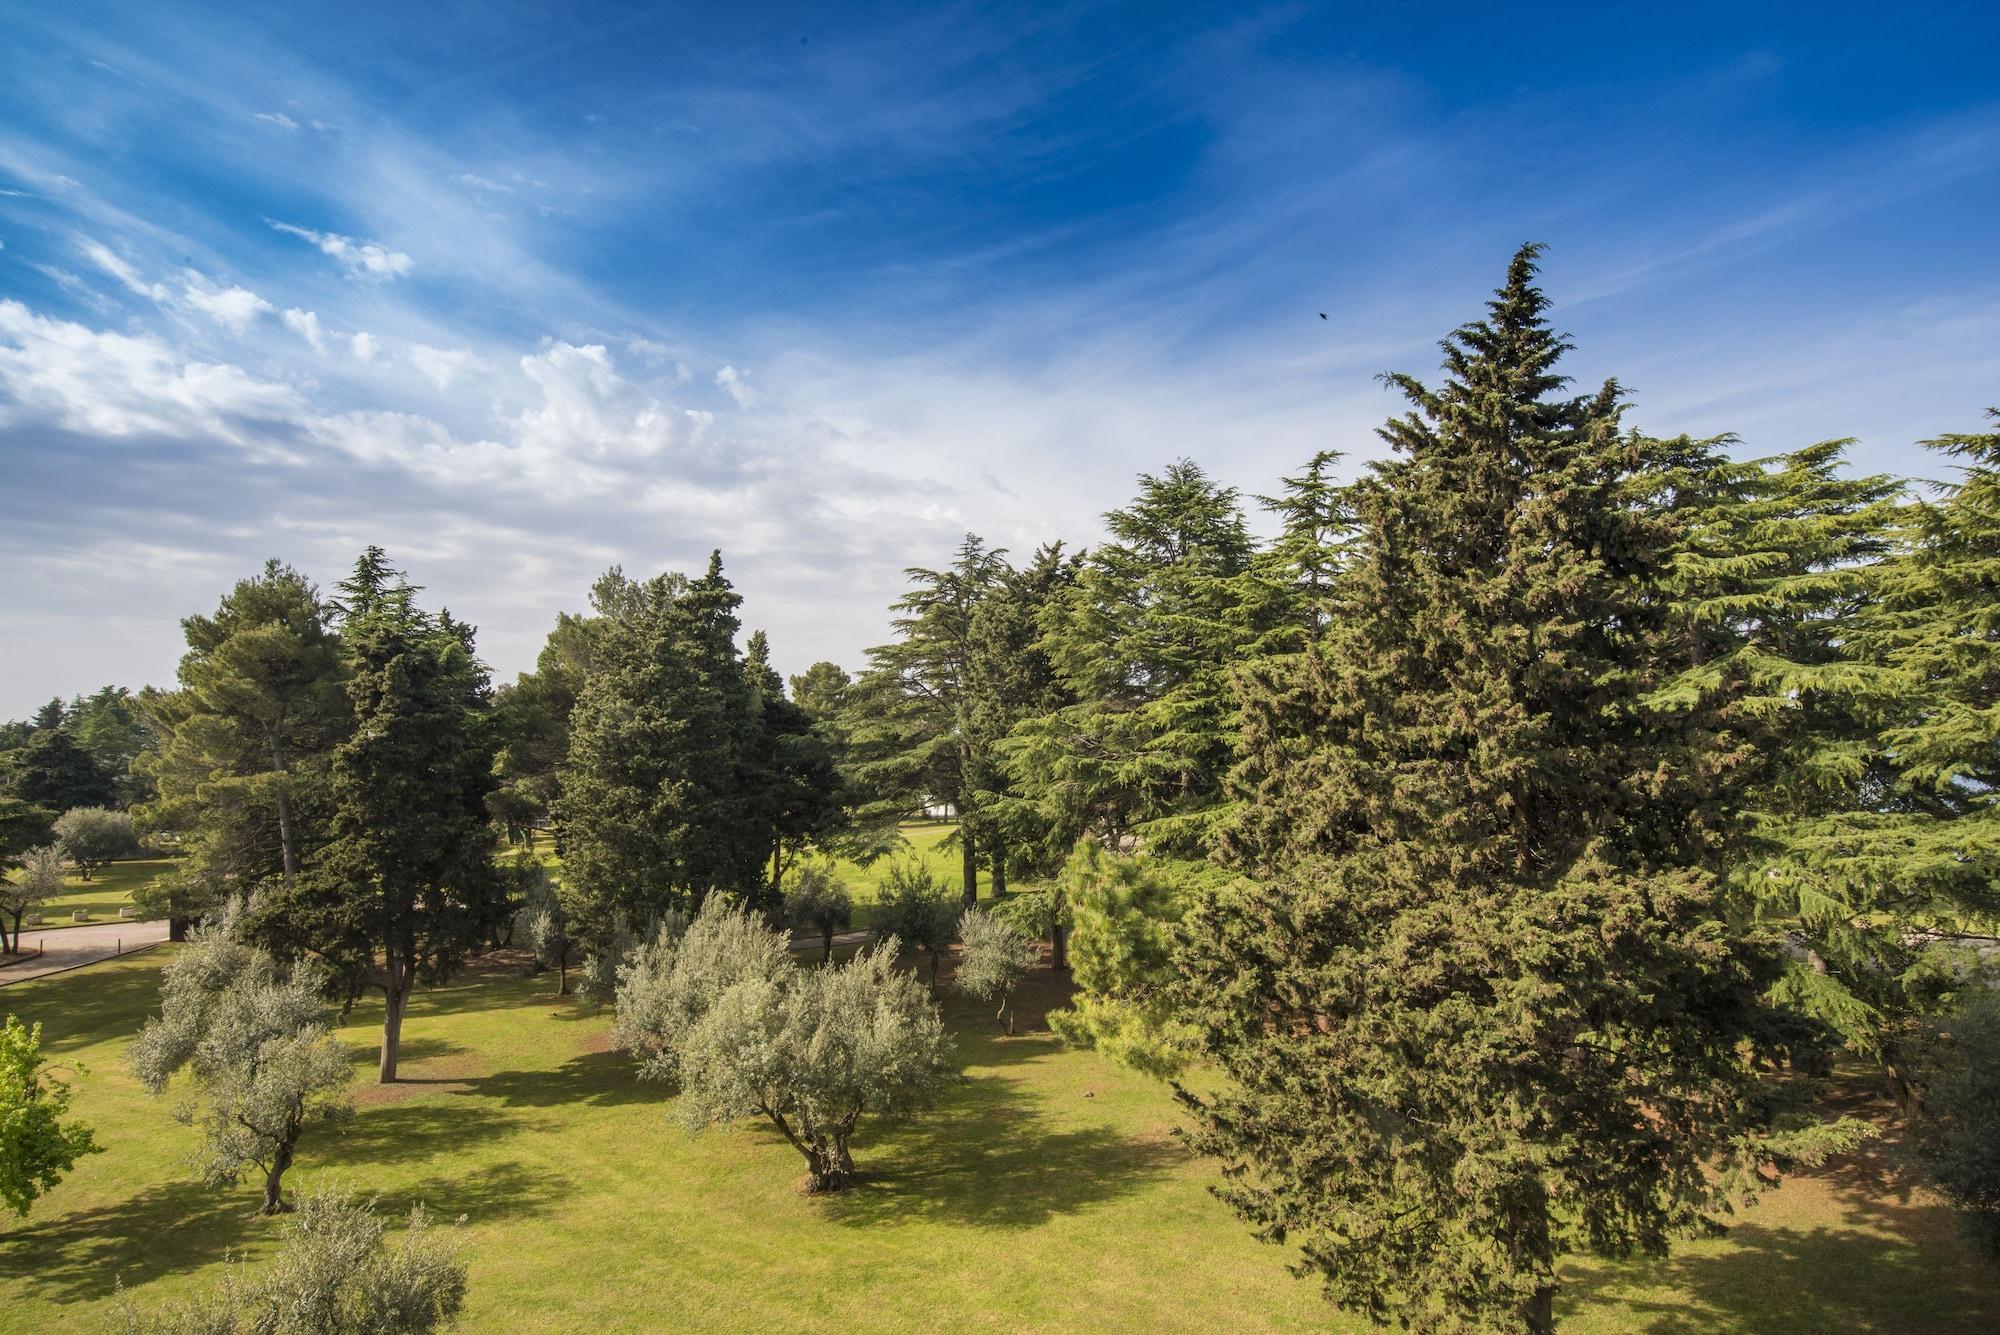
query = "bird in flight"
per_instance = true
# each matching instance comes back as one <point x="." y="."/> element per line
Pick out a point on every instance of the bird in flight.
<point x="1322" y="315"/>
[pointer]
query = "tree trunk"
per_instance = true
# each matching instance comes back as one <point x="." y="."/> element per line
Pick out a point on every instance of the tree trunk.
<point x="777" y="868"/>
<point x="274" y="1201"/>
<point x="562" y="971"/>
<point x="177" y="929"/>
<point x="999" y="872"/>
<point x="969" y="853"/>
<point x="826" y="953"/>
<point x="288" y="837"/>
<point x="1540" y="1311"/>
<point x="395" y="990"/>
<point x="1058" y="947"/>
<point x="1005" y="1017"/>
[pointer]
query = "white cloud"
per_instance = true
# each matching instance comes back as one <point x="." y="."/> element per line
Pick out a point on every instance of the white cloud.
<point x="736" y="385"/>
<point x="108" y="260"/>
<point x="120" y="385"/>
<point x="365" y="347"/>
<point x="277" y="118"/>
<point x="364" y="259"/>
<point x="233" y="307"/>
<point x="306" y="325"/>
<point x="444" y="365"/>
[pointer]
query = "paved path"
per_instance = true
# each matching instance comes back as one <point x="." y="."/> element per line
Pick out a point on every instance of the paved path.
<point x="67" y="947"/>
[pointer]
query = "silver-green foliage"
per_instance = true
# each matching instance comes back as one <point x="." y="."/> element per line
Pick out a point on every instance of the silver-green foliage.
<point x="724" y="1015"/>
<point x="996" y="956"/>
<point x="255" y="1037"/>
<point x="93" y="836"/>
<point x="333" y="1276"/>
<point x="818" y="902"/>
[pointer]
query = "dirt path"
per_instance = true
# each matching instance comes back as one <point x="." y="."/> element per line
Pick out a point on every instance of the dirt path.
<point x="68" y="947"/>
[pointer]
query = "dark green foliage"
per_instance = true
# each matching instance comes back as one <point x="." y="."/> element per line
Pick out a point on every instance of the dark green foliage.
<point x="1955" y="1123"/>
<point x="821" y="690"/>
<point x="110" y="725"/>
<point x="791" y="783"/>
<point x="1010" y="679"/>
<point x="1483" y="1005"/>
<point x="406" y="886"/>
<point x="908" y="726"/>
<point x="55" y="772"/>
<point x="655" y="810"/>
<point x="245" y="743"/>
<point x="23" y="826"/>
<point x="1143" y="643"/>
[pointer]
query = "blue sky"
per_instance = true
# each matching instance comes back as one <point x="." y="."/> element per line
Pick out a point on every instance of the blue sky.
<point x="521" y="291"/>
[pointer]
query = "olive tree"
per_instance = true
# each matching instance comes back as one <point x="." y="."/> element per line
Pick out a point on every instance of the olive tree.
<point x="997" y="955"/>
<point x="546" y="922"/>
<point x="818" y="902"/>
<point x="333" y="1275"/>
<point x="919" y="910"/>
<point x="265" y="1064"/>
<point x="39" y="880"/>
<point x="36" y="1145"/>
<point x="724" y="1015"/>
<point x="93" y="836"/>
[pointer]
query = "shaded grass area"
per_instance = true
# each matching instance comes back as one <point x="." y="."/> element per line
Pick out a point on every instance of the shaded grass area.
<point x="1048" y="1194"/>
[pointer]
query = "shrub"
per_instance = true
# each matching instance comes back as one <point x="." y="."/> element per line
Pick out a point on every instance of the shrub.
<point x="332" y="1276"/>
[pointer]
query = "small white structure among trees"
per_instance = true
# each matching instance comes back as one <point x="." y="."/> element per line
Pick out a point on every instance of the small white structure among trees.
<point x="723" y="1014"/>
<point x="266" y="1066"/>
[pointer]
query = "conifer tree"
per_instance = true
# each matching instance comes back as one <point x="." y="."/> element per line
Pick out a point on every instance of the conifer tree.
<point x="1144" y="642"/>
<point x="1481" y="1006"/>
<point x="655" y="813"/>
<point x="1897" y="891"/>
<point x="241" y="772"/>
<point x="791" y="776"/>
<point x="908" y="725"/>
<point x="406" y="886"/>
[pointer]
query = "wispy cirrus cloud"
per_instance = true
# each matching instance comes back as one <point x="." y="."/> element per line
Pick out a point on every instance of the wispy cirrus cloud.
<point x="364" y="259"/>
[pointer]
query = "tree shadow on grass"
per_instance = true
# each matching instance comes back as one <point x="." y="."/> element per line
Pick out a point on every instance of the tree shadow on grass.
<point x="601" y="1078"/>
<point x="1892" y="1260"/>
<point x="411" y="1131"/>
<point x="483" y="1195"/>
<point x="163" y="1230"/>
<point x="988" y="1160"/>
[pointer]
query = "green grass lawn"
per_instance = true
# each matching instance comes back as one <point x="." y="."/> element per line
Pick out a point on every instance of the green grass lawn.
<point x="108" y="890"/>
<point x="1048" y="1194"/>
<point x="924" y="840"/>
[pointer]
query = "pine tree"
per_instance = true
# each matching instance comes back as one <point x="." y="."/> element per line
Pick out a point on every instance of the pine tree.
<point x="656" y="811"/>
<point x="908" y="727"/>
<point x="1479" y="1008"/>
<point x="791" y="778"/>
<point x="406" y="886"/>
<point x="1896" y="892"/>
<point x="241" y="772"/>
<point x="1144" y="642"/>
